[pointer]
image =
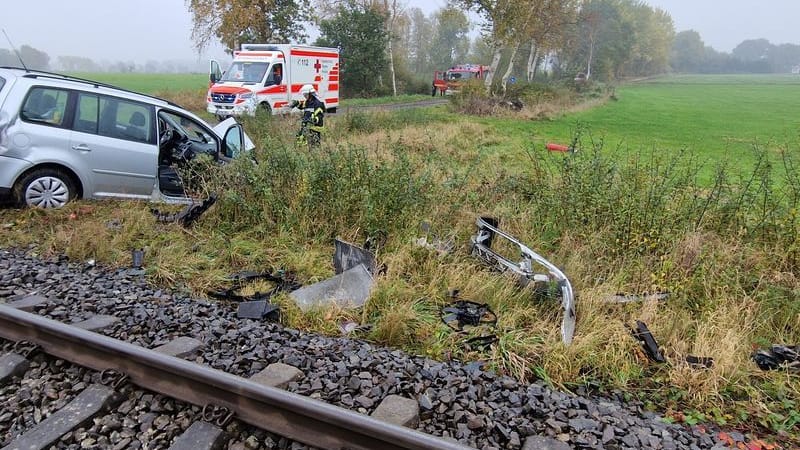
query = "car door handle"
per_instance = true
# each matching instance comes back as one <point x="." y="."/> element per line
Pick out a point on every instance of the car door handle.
<point x="81" y="148"/>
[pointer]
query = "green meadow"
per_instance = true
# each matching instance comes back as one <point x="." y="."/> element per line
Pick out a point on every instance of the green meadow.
<point x="150" y="83"/>
<point x="717" y="118"/>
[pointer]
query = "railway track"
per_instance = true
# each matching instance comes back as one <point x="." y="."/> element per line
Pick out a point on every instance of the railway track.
<point x="223" y="397"/>
<point x="456" y="400"/>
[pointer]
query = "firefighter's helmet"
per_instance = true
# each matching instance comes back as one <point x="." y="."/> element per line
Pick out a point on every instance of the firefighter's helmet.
<point x="307" y="89"/>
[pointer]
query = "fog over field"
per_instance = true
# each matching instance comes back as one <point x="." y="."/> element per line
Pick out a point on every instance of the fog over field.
<point x="155" y="30"/>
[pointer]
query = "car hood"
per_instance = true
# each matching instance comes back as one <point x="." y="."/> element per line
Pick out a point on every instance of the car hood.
<point x="220" y="129"/>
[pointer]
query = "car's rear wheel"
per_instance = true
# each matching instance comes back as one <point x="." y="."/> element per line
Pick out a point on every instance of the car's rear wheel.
<point x="45" y="188"/>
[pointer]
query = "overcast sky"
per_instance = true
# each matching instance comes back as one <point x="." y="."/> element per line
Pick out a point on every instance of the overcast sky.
<point x="141" y="30"/>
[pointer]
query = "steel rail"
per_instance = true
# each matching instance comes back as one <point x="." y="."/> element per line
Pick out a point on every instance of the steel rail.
<point x="296" y="417"/>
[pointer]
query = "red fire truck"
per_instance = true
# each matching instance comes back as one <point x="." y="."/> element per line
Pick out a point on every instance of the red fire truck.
<point x="448" y="81"/>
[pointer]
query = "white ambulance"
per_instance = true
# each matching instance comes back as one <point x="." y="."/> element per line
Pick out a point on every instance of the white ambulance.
<point x="269" y="76"/>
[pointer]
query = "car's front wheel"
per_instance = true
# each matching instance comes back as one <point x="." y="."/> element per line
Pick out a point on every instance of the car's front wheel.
<point x="45" y="188"/>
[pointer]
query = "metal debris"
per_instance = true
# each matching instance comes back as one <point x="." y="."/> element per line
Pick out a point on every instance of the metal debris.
<point x="779" y="357"/>
<point x="137" y="258"/>
<point x="648" y="342"/>
<point x="481" y="248"/>
<point x="188" y="215"/>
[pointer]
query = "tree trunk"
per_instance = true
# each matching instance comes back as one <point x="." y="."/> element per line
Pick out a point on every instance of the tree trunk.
<point x="591" y="54"/>
<point x="533" y="60"/>
<point x="393" y="15"/>
<point x="498" y="53"/>
<point x="510" y="67"/>
<point x="536" y="65"/>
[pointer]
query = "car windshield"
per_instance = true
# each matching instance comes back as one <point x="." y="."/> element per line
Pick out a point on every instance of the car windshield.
<point x="245" y="72"/>
<point x="186" y="127"/>
<point x="460" y="75"/>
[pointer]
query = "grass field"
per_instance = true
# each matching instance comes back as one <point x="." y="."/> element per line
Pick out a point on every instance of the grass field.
<point x="624" y="214"/>
<point x="148" y="83"/>
<point x="718" y="118"/>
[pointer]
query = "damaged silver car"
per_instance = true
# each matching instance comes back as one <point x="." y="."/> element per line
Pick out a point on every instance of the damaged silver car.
<point x="65" y="138"/>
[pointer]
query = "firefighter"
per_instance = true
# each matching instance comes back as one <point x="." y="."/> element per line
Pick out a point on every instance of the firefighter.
<point x="311" y="125"/>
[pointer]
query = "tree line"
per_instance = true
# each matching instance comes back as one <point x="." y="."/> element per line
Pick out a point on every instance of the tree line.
<point x="387" y="47"/>
<point x="36" y="59"/>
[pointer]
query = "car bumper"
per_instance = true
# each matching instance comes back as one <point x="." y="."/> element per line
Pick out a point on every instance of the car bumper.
<point x="227" y="109"/>
<point x="10" y="170"/>
<point x="5" y="195"/>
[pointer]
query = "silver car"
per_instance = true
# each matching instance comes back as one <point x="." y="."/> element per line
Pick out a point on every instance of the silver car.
<point x="63" y="138"/>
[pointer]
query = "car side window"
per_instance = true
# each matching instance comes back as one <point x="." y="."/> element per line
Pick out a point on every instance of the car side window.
<point x="45" y="105"/>
<point x="87" y="113"/>
<point x="127" y="120"/>
<point x="233" y="142"/>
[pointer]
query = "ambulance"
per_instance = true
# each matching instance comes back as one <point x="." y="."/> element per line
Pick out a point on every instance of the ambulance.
<point x="269" y="76"/>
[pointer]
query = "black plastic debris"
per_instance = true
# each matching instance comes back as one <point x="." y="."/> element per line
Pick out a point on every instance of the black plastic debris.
<point x="188" y="215"/>
<point x="649" y="344"/>
<point x="259" y="309"/>
<point x="347" y="255"/>
<point x="481" y="343"/>
<point x="465" y="313"/>
<point x="779" y="357"/>
<point x="700" y="362"/>
<point x="283" y="282"/>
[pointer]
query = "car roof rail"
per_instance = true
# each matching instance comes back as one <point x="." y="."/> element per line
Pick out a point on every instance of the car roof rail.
<point x="62" y="77"/>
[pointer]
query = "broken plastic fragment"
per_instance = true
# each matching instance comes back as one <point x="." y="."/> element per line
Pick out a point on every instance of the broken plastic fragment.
<point x="779" y="357"/>
<point x="259" y="309"/>
<point x="648" y="342"/>
<point x="347" y="255"/>
<point x="700" y="362"/>
<point x="349" y="289"/>
<point x="481" y="343"/>
<point x="188" y="215"/>
<point x="283" y="282"/>
<point x="465" y="313"/>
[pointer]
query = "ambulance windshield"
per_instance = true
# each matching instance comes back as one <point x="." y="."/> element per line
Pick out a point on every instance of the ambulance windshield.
<point x="245" y="72"/>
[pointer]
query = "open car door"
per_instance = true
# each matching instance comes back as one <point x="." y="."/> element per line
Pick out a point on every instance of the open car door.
<point x="214" y="73"/>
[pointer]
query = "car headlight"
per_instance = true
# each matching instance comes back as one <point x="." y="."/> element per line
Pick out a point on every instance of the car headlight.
<point x="246" y="96"/>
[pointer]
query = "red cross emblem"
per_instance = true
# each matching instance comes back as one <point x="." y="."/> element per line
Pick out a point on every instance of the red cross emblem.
<point x="318" y="66"/>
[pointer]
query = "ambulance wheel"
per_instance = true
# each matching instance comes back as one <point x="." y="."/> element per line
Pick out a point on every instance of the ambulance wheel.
<point x="433" y="92"/>
<point x="264" y="108"/>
